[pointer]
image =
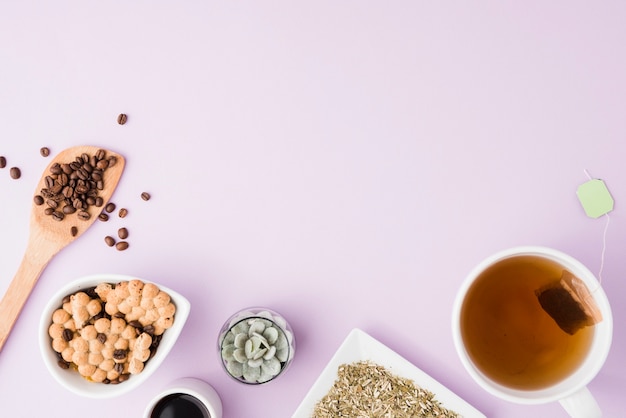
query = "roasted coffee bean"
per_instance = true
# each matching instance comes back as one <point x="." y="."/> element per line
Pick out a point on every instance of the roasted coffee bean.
<point x="38" y="199"/>
<point x="63" y="364"/>
<point x="100" y="185"/>
<point x="68" y="334"/>
<point x="58" y="216"/>
<point x="81" y="188"/>
<point x="110" y="207"/>
<point x="118" y="315"/>
<point x="122" y="233"/>
<point x="44" y="151"/>
<point x="48" y="211"/>
<point x="96" y="175"/>
<point x="52" y="203"/>
<point x="82" y="174"/>
<point x="66" y="169"/>
<point x="102" y="164"/>
<point x="100" y="154"/>
<point x="87" y="168"/>
<point x="63" y="179"/>
<point x="67" y="191"/>
<point x="69" y="209"/>
<point x="110" y="241"/>
<point x="123" y="212"/>
<point x="145" y="196"/>
<point x="135" y="324"/>
<point x="119" y="354"/>
<point x="83" y="215"/>
<point x="101" y="337"/>
<point x="103" y="217"/>
<point x="91" y="292"/>
<point x="74" y="231"/>
<point x="15" y="173"/>
<point x="90" y="200"/>
<point x="122" y="118"/>
<point x="123" y="377"/>
<point x="121" y="246"/>
<point x="49" y="181"/>
<point x="112" y="160"/>
<point x="99" y="201"/>
<point x="3" y="161"/>
<point x="56" y="189"/>
<point x="56" y="168"/>
<point x="149" y="329"/>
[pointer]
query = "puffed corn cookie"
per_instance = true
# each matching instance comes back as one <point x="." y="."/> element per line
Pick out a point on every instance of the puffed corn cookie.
<point x="109" y="332"/>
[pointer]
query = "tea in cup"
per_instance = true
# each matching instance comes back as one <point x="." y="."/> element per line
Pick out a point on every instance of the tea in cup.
<point x="522" y="345"/>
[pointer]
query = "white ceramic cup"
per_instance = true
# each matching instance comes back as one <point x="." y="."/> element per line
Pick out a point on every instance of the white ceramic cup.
<point x="572" y="391"/>
<point x="197" y="388"/>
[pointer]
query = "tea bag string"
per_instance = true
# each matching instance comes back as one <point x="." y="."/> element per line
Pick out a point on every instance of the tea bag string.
<point x="606" y="227"/>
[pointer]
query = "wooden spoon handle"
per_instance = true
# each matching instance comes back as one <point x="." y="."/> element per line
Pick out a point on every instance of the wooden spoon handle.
<point x="20" y="288"/>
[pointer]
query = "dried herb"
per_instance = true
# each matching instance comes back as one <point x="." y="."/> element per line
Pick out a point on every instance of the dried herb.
<point x="367" y="390"/>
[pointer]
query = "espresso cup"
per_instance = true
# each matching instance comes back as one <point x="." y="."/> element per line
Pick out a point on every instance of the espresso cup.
<point x="186" y="397"/>
<point x="513" y="348"/>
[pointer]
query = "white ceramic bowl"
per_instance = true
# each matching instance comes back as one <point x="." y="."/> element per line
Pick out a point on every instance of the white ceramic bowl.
<point x="197" y="388"/>
<point x="71" y="379"/>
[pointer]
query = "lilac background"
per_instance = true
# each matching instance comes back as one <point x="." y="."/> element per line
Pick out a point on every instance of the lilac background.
<point x="344" y="163"/>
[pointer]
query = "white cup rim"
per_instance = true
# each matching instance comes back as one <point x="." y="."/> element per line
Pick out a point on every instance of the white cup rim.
<point x="589" y="368"/>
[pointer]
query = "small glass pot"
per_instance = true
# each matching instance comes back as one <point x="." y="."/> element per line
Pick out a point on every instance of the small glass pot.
<point x="256" y="345"/>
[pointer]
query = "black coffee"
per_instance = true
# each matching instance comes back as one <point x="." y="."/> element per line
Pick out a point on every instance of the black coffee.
<point x="179" y="405"/>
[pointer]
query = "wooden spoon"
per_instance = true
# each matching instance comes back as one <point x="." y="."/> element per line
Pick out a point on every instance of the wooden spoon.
<point x="48" y="235"/>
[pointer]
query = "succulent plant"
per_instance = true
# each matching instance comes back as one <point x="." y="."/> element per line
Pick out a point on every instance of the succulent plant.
<point x="255" y="349"/>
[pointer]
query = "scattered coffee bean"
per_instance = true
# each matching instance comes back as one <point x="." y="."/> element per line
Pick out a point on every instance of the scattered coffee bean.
<point x="3" y="162"/>
<point x="110" y="241"/>
<point x="44" y="151"/>
<point x="68" y="334"/>
<point x="122" y="118"/>
<point x="101" y="337"/>
<point x="121" y="246"/>
<point x="122" y="233"/>
<point x="123" y="212"/>
<point x="58" y="216"/>
<point x="103" y="217"/>
<point x="16" y="173"/>
<point x="38" y="200"/>
<point x="110" y="207"/>
<point x="145" y="196"/>
<point x="123" y="377"/>
<point x="68" y="210"/>
<point x="119" y="354"/>
<point x="63" y="364"/>
<point x="74" y="231"/>
<point x="83" y="215"/>
<point x="48" y="211"/>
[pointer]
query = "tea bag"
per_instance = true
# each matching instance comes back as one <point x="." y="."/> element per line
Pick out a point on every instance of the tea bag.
<point x="569" y="303"/>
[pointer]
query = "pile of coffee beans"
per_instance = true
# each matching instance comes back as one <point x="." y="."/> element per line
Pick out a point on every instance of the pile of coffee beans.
<point x="74" y="187"/>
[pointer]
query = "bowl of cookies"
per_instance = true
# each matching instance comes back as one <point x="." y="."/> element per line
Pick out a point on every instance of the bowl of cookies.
<point x="103" y="335"/>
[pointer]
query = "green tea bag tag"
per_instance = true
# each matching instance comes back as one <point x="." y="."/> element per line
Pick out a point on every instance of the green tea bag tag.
<point x="595" y="198"/>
